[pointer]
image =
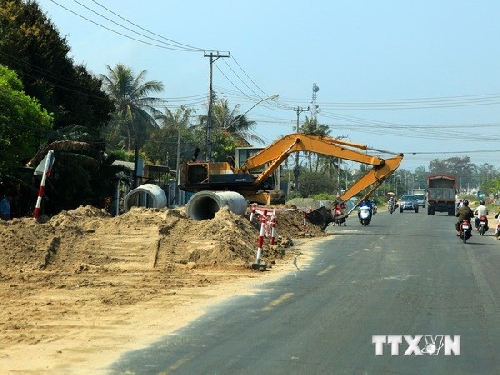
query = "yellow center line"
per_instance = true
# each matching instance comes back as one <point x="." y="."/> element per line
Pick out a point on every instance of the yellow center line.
<point x="329" y="268"/>
<point x="276" y="302"/>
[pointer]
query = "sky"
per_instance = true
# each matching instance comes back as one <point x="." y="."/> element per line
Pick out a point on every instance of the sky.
<point x="419" y="78"/>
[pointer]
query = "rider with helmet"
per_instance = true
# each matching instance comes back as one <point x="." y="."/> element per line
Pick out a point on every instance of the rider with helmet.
<point x="464" y="213"/>
<point x="365" y="203"/>
<point x="481" y="210"/>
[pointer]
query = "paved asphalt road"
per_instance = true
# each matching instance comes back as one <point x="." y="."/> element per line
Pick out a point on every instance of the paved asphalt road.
<point x="405" y="274"/>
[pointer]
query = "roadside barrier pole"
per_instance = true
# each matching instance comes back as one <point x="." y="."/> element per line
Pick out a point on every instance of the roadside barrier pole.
<point x="273" y="230"/>
<point x="46" y="172"/>
<point x="261" y="236"/>
<point x="252" y="211"/>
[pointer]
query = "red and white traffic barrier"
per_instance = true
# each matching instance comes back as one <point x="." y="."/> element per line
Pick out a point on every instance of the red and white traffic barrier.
<point x="261" y="236"/>
<point x="252" y="211"/>
<point x="267" y="228"/>
<point x="273" y="230"/>
<point x="49" y="160"/>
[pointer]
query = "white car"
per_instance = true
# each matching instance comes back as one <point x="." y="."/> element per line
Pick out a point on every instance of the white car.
<point x="420" y="199"/>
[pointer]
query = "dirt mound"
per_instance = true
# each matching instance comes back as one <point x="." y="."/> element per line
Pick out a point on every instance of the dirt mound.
<point x="65" y="281"/>
<point x="159" y="238"/>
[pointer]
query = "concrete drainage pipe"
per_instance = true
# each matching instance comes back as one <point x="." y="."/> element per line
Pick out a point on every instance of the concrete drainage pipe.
<point x="204" y="204"/>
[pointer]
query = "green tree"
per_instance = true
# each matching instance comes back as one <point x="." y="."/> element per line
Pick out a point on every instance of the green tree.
<point x="163" y="144"/>
<point x="322" y="162"/>
<point x="32" y="47"/>
<point x="420" y="177"/>
<point x="312" y="183"/>
<point x="82" y="174"/>
<point x="229" y="130"/>
<point x="460" y="167"/>
<point x="135" y="111"/>
<point x="23" y="122"/>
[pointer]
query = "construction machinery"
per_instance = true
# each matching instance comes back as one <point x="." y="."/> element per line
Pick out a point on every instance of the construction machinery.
<point x="254" y="177"/>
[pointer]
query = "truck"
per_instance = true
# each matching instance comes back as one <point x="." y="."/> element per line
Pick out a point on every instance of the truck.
<point x="441" y="192"/>
<point x="418" y="191"/>
<point x="254" y="175"/>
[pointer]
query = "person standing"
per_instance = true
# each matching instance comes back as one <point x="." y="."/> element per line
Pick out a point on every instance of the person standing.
<point x="5" y="207"/>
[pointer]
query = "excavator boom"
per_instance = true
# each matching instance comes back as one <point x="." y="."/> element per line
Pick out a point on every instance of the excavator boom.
<point x="252" y="178"/>
<point x="374" y="177"/>
<point x="279" y="151"/>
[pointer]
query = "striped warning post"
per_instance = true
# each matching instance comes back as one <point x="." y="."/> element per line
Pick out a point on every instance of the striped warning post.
<point x="49" y="161"/>
<point x="261" y="236"/>
<point x="273" y="230"/>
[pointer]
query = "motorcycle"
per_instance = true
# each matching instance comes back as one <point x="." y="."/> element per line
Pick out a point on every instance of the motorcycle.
<point x="483" y="225"/>
<point x="497" y="231"/>
<point x="364" y="215"/>
<point x="339" y="218"/>
<point x="392" y="207"/>
<point x="465" y="230"/>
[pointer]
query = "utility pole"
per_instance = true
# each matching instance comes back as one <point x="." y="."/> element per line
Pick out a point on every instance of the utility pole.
<point x="177" y="168"/>
<point x="298" y="110"/>
<point x="214" y="55"/>
<point x="339" y="161"/>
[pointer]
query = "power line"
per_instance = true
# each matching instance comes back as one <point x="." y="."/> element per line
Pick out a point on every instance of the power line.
<point x="187" y="46"/>
<point x="154" y="43"/>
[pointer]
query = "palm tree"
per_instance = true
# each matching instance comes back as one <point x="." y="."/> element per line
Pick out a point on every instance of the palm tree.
<point x="231" y="129"/>
<point x="135" y="109"/>
<point x="311" y="126"/>
<point x="162" y="146"/>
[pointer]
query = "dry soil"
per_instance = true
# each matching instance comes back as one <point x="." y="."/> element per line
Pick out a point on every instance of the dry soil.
<point x="81" y="288"/>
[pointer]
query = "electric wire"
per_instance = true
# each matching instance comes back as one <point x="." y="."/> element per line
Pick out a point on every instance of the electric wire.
<point x="163" y="45"/>
<point x="187" y="46"/>
<point x="351" y="122"/>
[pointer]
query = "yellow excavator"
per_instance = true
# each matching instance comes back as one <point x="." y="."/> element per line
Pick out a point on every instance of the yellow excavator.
<point x="253" y="179"/>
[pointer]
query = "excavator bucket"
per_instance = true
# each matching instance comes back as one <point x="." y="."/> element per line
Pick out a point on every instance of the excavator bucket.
<point x="321" y="217"/>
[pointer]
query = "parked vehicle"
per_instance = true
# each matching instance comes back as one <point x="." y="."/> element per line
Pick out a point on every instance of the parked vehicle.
<point x="465" y="230"/>
<point x="408" y="203"/>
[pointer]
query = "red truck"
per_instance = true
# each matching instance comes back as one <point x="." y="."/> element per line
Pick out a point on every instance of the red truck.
<point x="441" y="191"/>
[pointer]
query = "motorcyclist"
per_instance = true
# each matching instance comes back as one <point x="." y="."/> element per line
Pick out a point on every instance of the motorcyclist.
<point x="392" y="203"/>
<point x="481" y="210"/>
<point x="464" y="213"/>
<point x="365" y="203"/>
<point x="497" y="228"/>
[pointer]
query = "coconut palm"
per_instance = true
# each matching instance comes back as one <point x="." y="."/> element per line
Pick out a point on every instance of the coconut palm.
<point x="230" y="130"/>
<point x="135" y="109"/>
<point x="311" y="126"/>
